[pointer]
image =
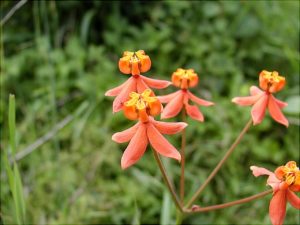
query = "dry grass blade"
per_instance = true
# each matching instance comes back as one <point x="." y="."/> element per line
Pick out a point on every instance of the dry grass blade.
<point x="12" y="11"/>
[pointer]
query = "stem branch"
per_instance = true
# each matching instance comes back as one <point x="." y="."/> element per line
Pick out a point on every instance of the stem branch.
<point x="213" y="173"/>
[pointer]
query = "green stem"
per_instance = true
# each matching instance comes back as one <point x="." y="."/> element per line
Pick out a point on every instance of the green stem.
<point x="183" y="143"/>
<point x="223" y="160"/>
<point x="167" y="180"/>
<point x="179" y="217"/>
<point x="228" y="204"/>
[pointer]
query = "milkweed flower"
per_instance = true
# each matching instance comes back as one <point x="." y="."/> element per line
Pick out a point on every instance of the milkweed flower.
<point x="183" y="79"/>
<point x="269" y="82"/>
<point x="134" y="63"/>
<point x="284" y="181"/>
<point x="143" y="107"/>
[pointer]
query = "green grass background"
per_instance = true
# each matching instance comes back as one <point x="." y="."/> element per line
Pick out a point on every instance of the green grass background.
<point x="59" y="58"/>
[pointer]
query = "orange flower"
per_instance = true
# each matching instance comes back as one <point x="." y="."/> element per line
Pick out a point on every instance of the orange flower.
<point x="147" y="130"/>
<point x="270" y="82"/>
<point x="285" y="181"/>
<point x="134" y="63"/>
<point x="183" y="79"/>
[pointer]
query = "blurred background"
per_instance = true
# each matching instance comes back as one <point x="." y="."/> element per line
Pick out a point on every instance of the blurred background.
<point x="59" y="58"/>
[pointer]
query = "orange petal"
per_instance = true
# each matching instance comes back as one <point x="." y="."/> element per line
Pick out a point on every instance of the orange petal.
<point x="276" y="113"/>
<point x="125" y="135"/>
<point x="123" y="96"/>
<point x="194" y="112"/>
<point x="141" y="86"/>
<point x="167" y="98"/>
<point x="277" y="208"/>
<point x="160" y="144"/>
<point x="169" y="128"/>
<point x="293" y="199"/>
<point x="199" y="101"/>
<point x="245" y="101"/>
<point x="280" y="171"/>
<point x="173" y="107"/>
<point x="136" y="148"/>
<point x="115" y="91"/>
<point x="259" y="109"/>
<point x="255" y="90"/>
<point x="156" y="84"/>
<point x="145" y="63"/>
<point x="124" y="65"/>
<point x="135" y="70"/>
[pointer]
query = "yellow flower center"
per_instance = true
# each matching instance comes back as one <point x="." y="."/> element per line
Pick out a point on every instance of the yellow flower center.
<point x="271" y="81"/>
<point x="184" y="78"/>
<point x="289" y="173"/>
<point x="142" y="105"/>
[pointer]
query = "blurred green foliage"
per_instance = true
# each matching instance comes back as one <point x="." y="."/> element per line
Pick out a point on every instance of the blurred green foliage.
<point x="59" y="57"/>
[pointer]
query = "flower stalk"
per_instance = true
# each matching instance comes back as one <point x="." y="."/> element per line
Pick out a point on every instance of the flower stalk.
<point x="167" y="181"/>
<point x="220" y="164"/>
<point x="183" y="144"/>
<point x="228" y="204"/>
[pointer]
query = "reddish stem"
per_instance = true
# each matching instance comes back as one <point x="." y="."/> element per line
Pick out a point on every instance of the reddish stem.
<point x="223" y="160"/>
<point x="228" y="204"/>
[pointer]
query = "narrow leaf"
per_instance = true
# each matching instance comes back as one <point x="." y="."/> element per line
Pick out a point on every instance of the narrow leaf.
<point x="12" y="123"/>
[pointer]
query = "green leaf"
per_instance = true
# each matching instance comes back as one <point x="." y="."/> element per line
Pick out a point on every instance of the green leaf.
<point x="19" y="191"/>
<point x="84" y="31"/>
<point x="12" y="123"/>
<point x="165" y="218"/>
<point x="18" y="196"/>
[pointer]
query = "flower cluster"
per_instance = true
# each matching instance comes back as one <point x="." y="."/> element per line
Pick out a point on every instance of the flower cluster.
<point x="138" y="102"/>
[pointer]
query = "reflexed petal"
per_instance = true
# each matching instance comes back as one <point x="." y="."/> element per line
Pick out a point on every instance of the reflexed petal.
<point x="194" y="112"/>
<point x="255" y="90"/>
<point x="272" y="180"/>
<point x="125" y="135"/>
<point x="199" y="100"/>
<point x="122" y="97"/>
<point x="136" y="148"/>
<point x="140" y="85"/>
<point x="157" y="84"/>
<point x="281" y="104"/>
<point x="258" y="171"/>
<point x="115" y="91"/>
<point x="259" y="109"/>
<point x="277" y="208"/>
<point x="173" y="107"/>
<point x="169" y="128"/>
<point x="293" y="199"/>
<point x="160" y="144"/>
<point x="167" y="98"/>
<point x="245" y="101"/>
<point x="276" y="113"/>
